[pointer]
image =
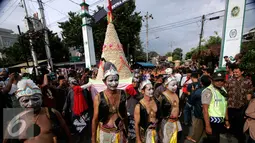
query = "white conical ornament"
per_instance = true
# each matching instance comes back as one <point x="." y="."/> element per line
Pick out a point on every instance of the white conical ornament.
<point x="112" y="51"/>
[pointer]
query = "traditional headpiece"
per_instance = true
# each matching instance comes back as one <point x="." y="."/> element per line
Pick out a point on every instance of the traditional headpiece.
<point x="109" y="69"/>
<point x="73" y="81"/>
<point x="169" y="71"/>
<point x="143" y="84"/>
<point x="26" y="87"/>
<point x="135" y="79"/>
<point x="169" y="80"/>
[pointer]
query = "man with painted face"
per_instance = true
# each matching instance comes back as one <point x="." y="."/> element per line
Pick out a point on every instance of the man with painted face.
<point x="147" y="115"/>
<point x="170" y="125"/>
<point x="110" y="120"/>
<point x="46" y="126"/>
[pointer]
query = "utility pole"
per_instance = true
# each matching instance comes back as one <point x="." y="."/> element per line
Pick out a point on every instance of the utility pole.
<point x="171" y="49"/>
<point x="22" y="44"/>
<point x="147" y="17"/>
<point x="201" y="33"/>
<point x="47" y="43"/>
<point x="28" y="24"/>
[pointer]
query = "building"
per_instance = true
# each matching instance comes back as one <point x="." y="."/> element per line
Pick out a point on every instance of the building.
<point x="249" y="36"/>
<point x="7" y="38"/>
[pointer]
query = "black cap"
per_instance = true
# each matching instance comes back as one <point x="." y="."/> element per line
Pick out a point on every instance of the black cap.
<point x="218" y="76"/>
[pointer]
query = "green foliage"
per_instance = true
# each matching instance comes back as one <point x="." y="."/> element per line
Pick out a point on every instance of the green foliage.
<point x="177" y="54"/>
<point x="248" y="59"/>
<point x="127" y="23"/>
<point x="21" y="53"/>
<point x="168" y="54"/>
<point x="72" y="30"/>
<point x="212" y="41"/>
<point x="152" y="54"/>
<point x="190" y="53"/>
<point x="206" y="53"/>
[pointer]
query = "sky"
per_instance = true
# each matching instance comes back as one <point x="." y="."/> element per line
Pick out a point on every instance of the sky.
<point x="185" y="35"/>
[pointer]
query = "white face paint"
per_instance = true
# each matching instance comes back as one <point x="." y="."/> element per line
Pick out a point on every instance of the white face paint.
<point x="137" y="75"/>
<point x="112" y="82"/>
<point x="172" y="85"/>
<point x="34" y="101"/>
<point x="148" y="91"/>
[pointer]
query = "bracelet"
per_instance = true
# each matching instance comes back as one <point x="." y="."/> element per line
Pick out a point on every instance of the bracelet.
<point x="226" y="120"/>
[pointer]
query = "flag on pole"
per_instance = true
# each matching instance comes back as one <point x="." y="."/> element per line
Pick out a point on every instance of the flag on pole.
<point x="108" y="9"/>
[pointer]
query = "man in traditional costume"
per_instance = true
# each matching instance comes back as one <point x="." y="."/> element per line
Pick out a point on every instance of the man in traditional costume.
<point x="147" y="115"/>
<point x="170" y="125"/>
<point x="109" y="124"/>
<point x="77" y="108"/>
<point x="133" y="97"/>
<point x="37" y="124"/>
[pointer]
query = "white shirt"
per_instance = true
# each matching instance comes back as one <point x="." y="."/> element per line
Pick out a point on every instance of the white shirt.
<point x="178" y="77"/>
<point x="13" y="89"/>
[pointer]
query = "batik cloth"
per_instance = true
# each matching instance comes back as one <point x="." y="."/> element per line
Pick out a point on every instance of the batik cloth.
<point x="110" y="135"/>
<point x="170" y="130"/>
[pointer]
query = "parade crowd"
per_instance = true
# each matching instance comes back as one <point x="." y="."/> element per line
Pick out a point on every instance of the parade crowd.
<point x="155" y="108"/>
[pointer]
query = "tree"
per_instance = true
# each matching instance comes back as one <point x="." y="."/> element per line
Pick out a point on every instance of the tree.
<point x="152" y="54"/>
<point x="127" y="23"/>
<point x="248" y="56"/>
<point x="72" y="30"/>
<point x="21" y="53"/>
<point x="168" y="54"/>
<point x="209" y="52"/>
<point x="177" y="54"/>
<point x="190" y="53"/>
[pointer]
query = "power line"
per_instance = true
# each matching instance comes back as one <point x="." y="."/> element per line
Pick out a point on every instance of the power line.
<point x="9" y="15"/>
<point x="183" y="22"/>
<point x="55" y="22"/>
<point x="6" y="5"/>
<point x="74" y="2"/>
<point x="49" y="1"/>
<point x="96" y="2"/>
<point x="174" y="23"/>
<point x="10" y="7"/>
<point x="55" y="9"/>
<point x="172" y="27"/>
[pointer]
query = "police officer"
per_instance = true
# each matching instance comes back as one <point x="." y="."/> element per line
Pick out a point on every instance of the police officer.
<point x="214" y="101"/>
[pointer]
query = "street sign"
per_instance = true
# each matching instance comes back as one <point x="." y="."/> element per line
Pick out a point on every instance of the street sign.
<point x="75" y="59"/>
<point x="102" y="13"/>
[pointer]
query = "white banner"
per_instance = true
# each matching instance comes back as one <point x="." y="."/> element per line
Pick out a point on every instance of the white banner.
<point x="233" y="29"/>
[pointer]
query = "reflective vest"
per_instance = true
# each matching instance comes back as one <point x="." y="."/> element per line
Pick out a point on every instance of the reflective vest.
<point x="218" y="106"/>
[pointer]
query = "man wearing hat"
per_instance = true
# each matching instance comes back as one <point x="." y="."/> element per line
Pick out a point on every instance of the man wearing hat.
<point x="214" y="101"/>
<point x="110" y="119"/>
<point x="36" y="124"/>
<point x="146" y="115"/>
<point x="170" y="125"/>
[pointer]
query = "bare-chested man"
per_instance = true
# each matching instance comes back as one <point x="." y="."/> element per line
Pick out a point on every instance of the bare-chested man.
<point x="37" y="124"/>
<point x="109" y="124"/>
<point x="146" y="115"/>
<point x="170" y="125"/>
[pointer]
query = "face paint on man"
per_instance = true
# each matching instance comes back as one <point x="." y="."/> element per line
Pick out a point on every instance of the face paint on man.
<point x="148" y="90"/>
<point x="112" y="82"/>
<point x="34" y="101"/>
<point x="172" y="85"/>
